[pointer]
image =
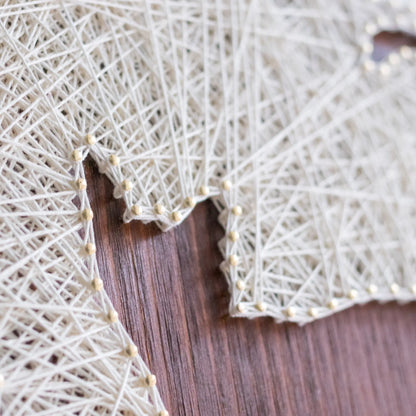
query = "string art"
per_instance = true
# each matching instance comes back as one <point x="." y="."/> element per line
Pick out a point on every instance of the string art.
<point x="276" y="110"/>
<point x="319" y="202"/>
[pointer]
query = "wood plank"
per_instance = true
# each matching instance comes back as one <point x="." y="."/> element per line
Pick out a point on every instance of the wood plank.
<point x="172" y="298"/>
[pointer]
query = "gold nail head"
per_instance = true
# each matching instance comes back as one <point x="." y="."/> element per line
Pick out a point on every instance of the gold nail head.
<point x="90" y="249"/>
<point x="385" y="69"/>
<point x="81" y="184"/>
<point x="226" y="185"/>
<point x="90" y="139"/>
<point x="159" y="209"/>
<point x="97" y="284"/>
<point x="87" y="214"/>
<point x="112" y="316"/>
<point x="190" y="202"/>
<point x="233" y="236"/>
<point x="367" y="47"/>
<point x="126" y="185"/>
<point x="114" y="160"/>
<point x="394" y="58"/>
<point x="352" y="294"/>
<point x="406" y="52"/>
<point x="136" y="210"/>
<point x="176" y="216"/>
<point x="233" y="260"/>
<point x="76" y="155"/>
<point x="369" y="66"/>
<point x="150" y="380"/>
<point x="240" y="307"/>
<point x="237" y="210"/>
<point x="371" y="28"/>
<point x="394" y="288"/>
<point x="372" y="289"/>
<point x="240" y="284"/>
<point x="204" y="190"/>
<point x="312" y="312"/>
<point x="333" y="304"/>
<point x="291" y="311"/>
<point x="163" y="413"/>
<point x="261" y="306"/>
<point x="131" y="350"/>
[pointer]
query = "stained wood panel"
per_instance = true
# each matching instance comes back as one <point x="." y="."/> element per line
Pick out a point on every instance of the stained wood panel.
<point x="172" y="298"/>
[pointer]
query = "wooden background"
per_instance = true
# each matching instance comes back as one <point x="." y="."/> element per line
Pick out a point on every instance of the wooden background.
<point x="172" y="298"/>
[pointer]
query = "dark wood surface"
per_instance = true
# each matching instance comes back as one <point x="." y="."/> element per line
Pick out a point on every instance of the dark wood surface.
<point x="172" y="298"/>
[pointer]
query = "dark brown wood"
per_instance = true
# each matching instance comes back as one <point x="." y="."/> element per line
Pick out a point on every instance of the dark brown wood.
<point x="172" y="299"/>
<point x="385" y="42"/>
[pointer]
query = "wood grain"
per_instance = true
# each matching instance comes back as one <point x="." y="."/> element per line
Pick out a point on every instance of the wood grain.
<point x="173" y="299"/>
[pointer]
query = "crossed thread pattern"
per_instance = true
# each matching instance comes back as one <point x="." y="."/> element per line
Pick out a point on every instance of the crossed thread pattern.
<point x="321" y="213"/>
<point x="273" y="109"/>
<point x="62" y="349"/>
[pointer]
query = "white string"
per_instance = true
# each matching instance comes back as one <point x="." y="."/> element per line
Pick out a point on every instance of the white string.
<point x="275" y="109"/>
<point x="326" y="195"/>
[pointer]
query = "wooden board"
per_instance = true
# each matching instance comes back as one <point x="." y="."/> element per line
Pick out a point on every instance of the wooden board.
<point x="172" y="298"/>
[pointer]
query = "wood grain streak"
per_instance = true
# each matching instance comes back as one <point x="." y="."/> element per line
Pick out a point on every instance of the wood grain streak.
<point x="172" y="299"/>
